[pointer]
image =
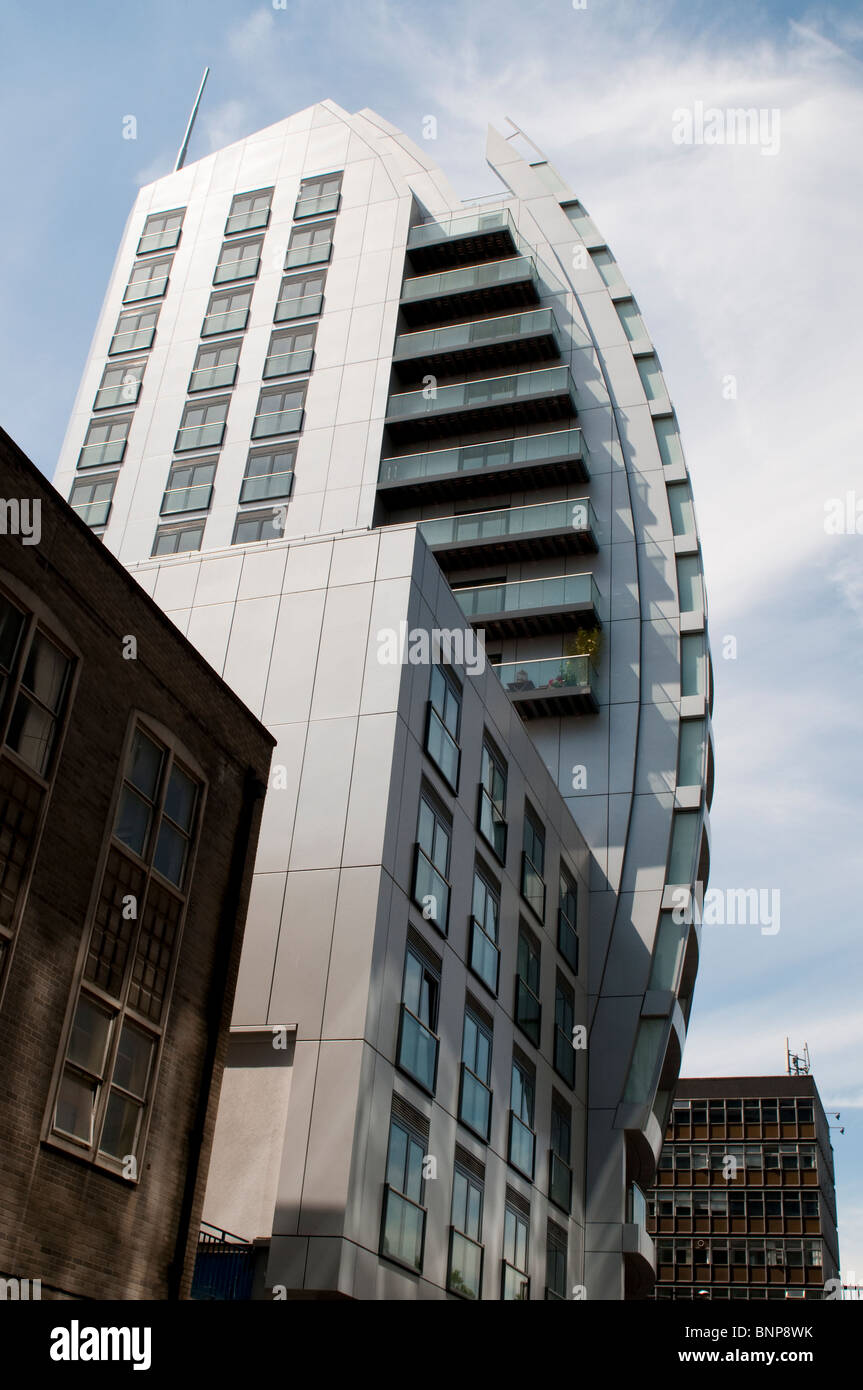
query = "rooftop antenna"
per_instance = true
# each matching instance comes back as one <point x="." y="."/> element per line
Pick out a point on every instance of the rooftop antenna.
<point x="795" y="1065"/>
<point x="181" y="157"/>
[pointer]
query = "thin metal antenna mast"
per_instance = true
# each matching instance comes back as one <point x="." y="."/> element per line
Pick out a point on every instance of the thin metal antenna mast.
<point x="185" y="145"/>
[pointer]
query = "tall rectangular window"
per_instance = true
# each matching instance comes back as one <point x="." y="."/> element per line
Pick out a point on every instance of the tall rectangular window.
<point x="120" y="385"/>
<point x="135" y="330"/>
<point x="319" y="195"/>
<point x="269" y="473"/>
<point x="403" y="1220"/>
<point x="693" y="664"/>
<point x="149" y="279"/>
<point x="105" y="1090"/>
<point x="280" y="411"/>
<point x="474" y="1107"/>
<point x="689" y="583"/>
<point x="564" y="1022"/>
<point x="431" y="889"/>
<point x="567" y="920"/>
<point x="238" y="260"/>
<point x="522" y="1139"/>
<point x="607" y="266"/>
<point x="215" y="366"/>
<point x="227" y="312"/>
<point x="630" y="318"/>
<point x="291" y="351"/>
<point x="515" y="1282"/>
<point x="417" y="1050"/>
<point x="555" y="1262"/>
<point x="442" y="723"/>
<point x="105" y="441"/>
<point x="668" y="441"/>
<point x="492" y="801"/>
<point x="202" y="425"/>
<point x="91" y="498"/>
<point x="466" y="1251"/>
<point x="249" y="211"/>
<point x="485" y="918"/>
<point x="161" y="231"/>
<point x="300" y="296"/>
<point x="651" y="377"/>
<point x="533" y="862"/>
<point x="528" y="1009"/>
<point x="310" y="245"/>
<point x="189" y="487"/>
<point x="690" y="758"/>
<point x="560" y="1156"/>
<point x="684" y="839"/>
<point x="680" y="507"/>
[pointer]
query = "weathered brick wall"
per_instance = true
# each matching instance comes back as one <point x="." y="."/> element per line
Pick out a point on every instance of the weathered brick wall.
<point x="81" y="1230"/>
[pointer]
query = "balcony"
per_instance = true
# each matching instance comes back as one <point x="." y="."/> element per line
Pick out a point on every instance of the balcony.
<point x="224" y="1266"/>
<point x="465" y="237"/>
<point x="224" y="321"/>
<point x="514" y="1284"/>
<point x="474" y="1103"/>
<point x="213" y="378"/>
<point x="552" y="686"/>
<point x="403" y="1229"/>
<point x="522" y="1142"/>
<point x="491" y="403"/>
<point x="535" y="460"/>
<point x="559" y="1181"/>
<point x="317" y="206"/>
<point x="288" y="363"/>
<point x="469" y="347"/>
<point x="117" y="397"/>
<point x="531" y="606"/>
<point x="474" y="291"/>
<point x="207" y="436"/>
<point x="417" y="1051"/>
<point x="273" y="422"/>
<point x="512" y="533"/>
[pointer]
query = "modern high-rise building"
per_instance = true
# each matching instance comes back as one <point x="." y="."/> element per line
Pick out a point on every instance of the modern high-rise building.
<point x="328" y="402"/>
<point x="744" y="1204"/>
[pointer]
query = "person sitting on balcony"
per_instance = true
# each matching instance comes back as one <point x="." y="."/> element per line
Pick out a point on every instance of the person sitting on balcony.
<point x="522" y="682"/>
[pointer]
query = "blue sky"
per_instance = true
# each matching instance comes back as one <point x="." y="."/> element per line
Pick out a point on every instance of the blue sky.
<point x="745" y="267"/>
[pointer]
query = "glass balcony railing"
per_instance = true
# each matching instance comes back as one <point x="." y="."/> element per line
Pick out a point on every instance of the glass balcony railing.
<point x="522" y="1141"/>
<point x="133" y="340"/>
<point x="487" y="457"/>
<point x="509" y="521"/>
<point x="145" y="289"/>
<point x="470" y="279"/>
<point x="302" y="306"/>
<point x="459" y="226"/>
<point x="527" y="595"/>
<point x="247" y="221"/>
<point x="240" y="268"/>
<point x="431" y="891"/>
<point x="277" y="422"/>
<point x="199" y="436"/>
<point x="636" y="1206"/>
<point x="110" y="397"/>
<point x="317" y="254"/>
<point x="559" y="1181"/>
<point x="158" y="241"/>
<point x="209" y="378"/>
<point x="442" y="747"/>
<point x="554" y="673"/>
<point x="315" y="207"/>
<point x="262" y="486"/>
<point x="484" y="955"/>
<point x="109" y="451"/>
<point x="187" y="499"/>
<point x="288" y="363"/>
<point x="532" y="886"/>
<point x="506" y="328"/>
<point x="474" y="1103"/>
<point x="528" y="1010"/>
<point x="515" y="1284"/>
<point x="465" y="1265"/>
<point x="567" y="938"/>
<point x="417" y="1049"/>
<point x="403" y="1229"/>
<point x="229" y="321"/>
<point x="564" y="1056"/>
<point x="484" y="394"/>
<point x="93" y="513"/>
<point x="492" y="824"/>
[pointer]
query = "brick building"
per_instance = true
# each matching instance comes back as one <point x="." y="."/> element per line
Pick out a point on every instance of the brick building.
<point x="131" y="786"/>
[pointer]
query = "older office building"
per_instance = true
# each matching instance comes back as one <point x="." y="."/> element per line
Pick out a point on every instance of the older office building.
<point x="128" y="824"/>
<point x="308" y="336"/>
<point x="744" y="1204"/>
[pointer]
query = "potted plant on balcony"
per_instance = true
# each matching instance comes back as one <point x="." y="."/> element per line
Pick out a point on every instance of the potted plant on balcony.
<point x="586" y="641"/>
